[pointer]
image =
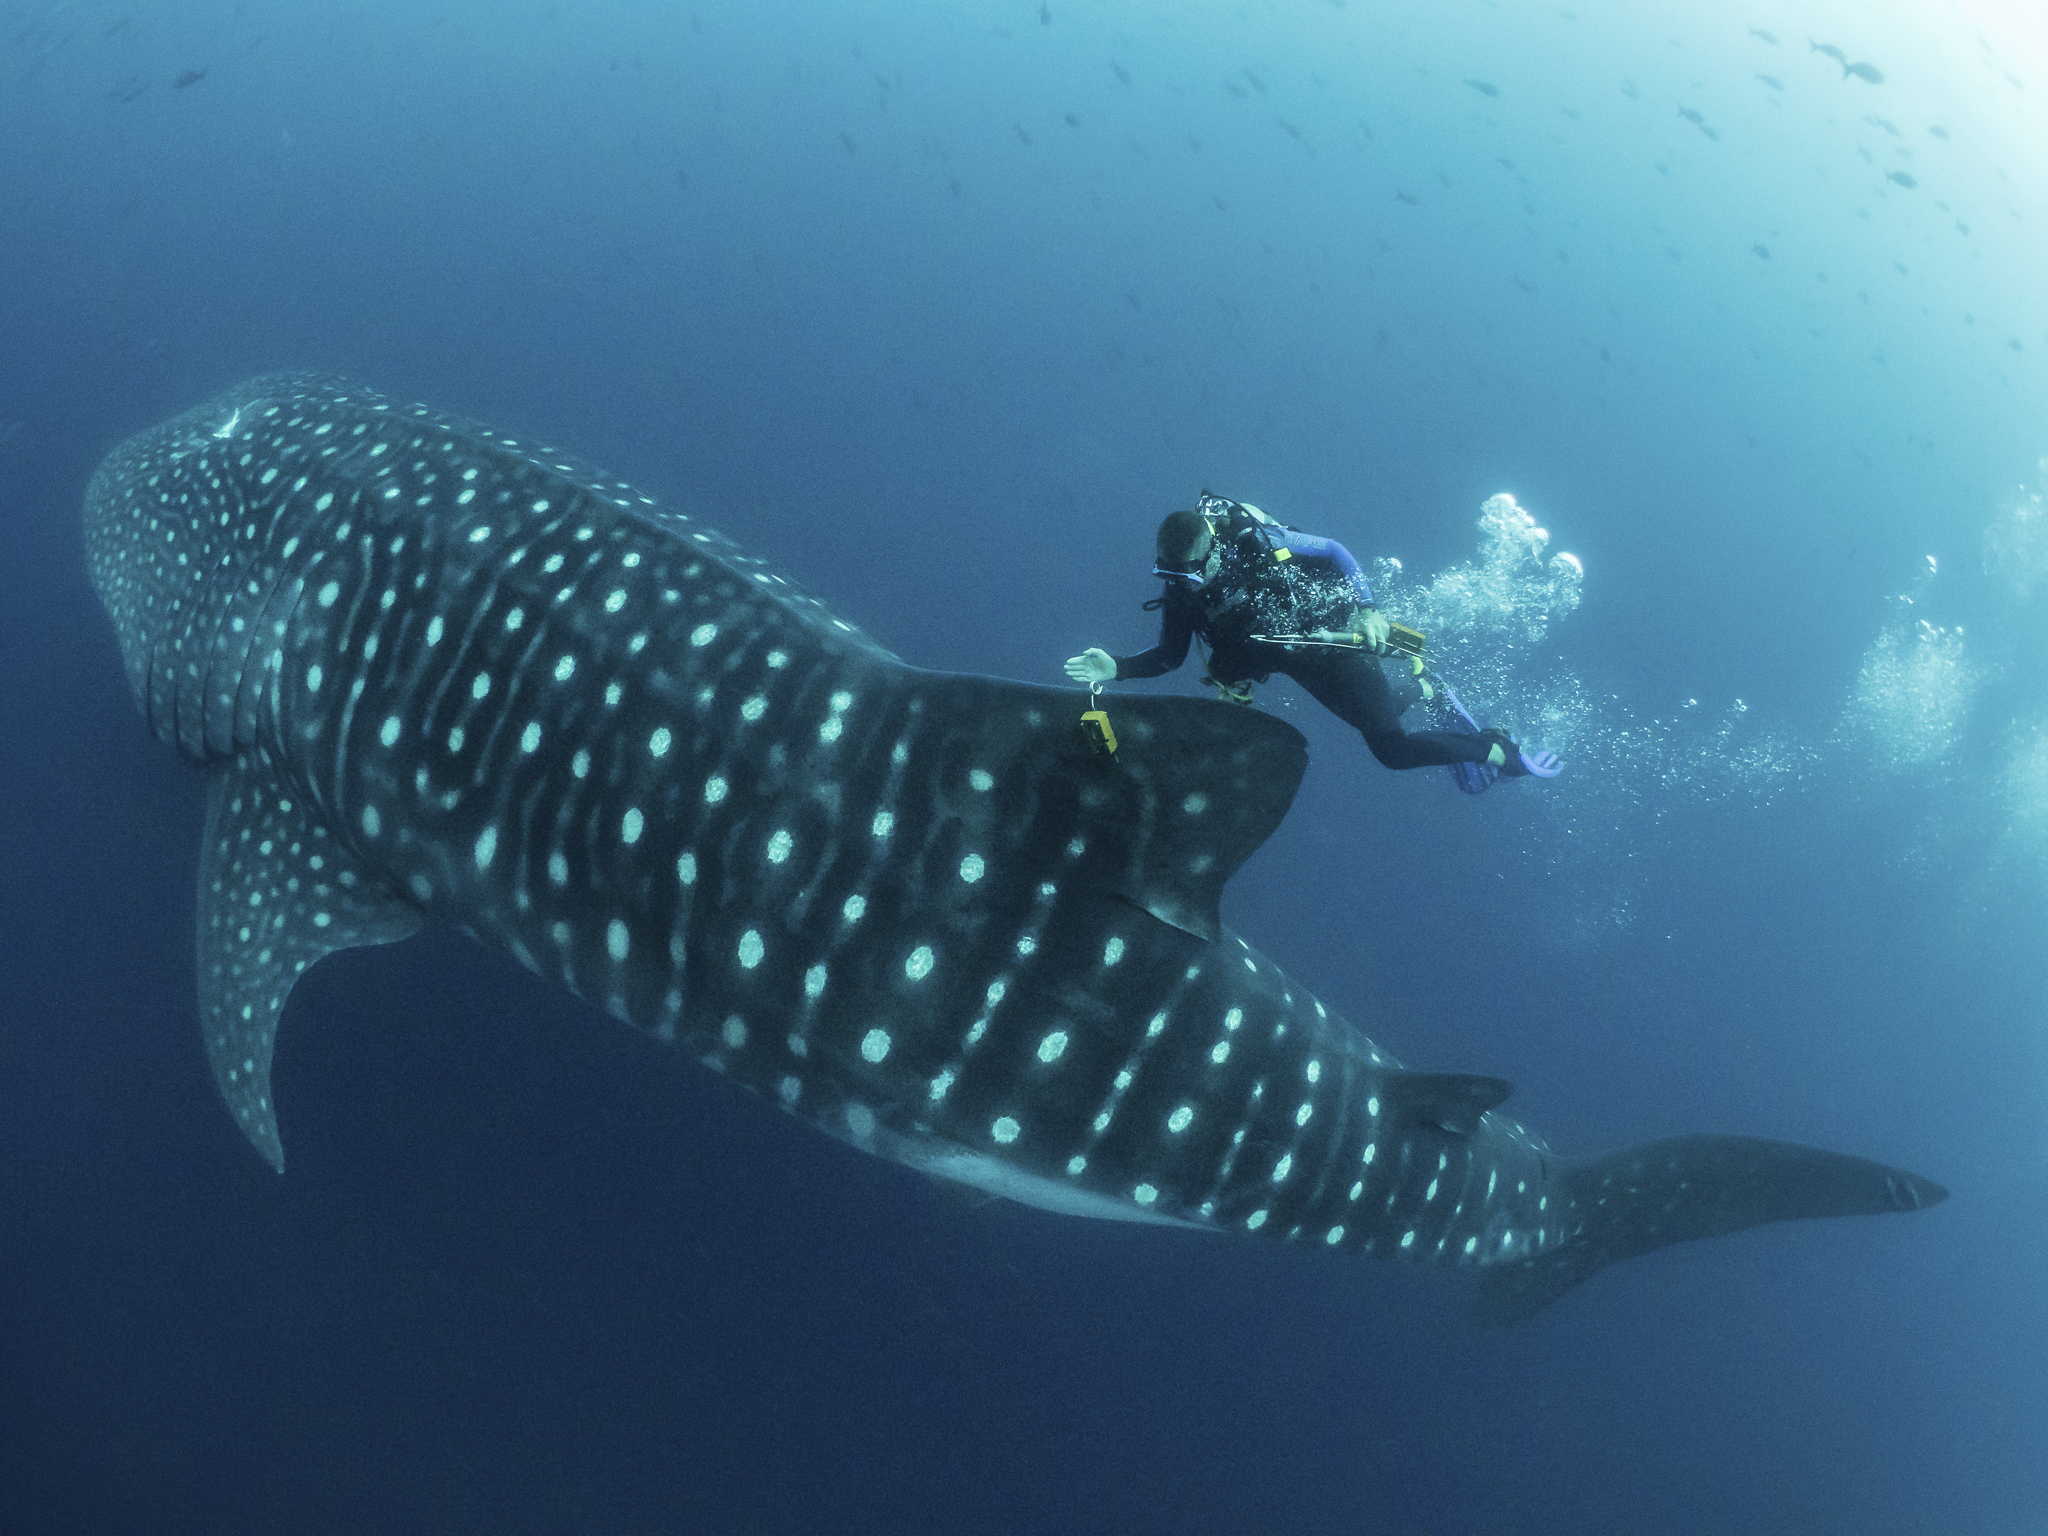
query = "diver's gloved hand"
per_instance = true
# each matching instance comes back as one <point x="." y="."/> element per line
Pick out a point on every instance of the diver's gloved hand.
<point x="1093" y="665"/>
<point x="1373" y="625"/>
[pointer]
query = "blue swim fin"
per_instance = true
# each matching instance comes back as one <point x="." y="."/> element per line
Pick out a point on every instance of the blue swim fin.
<point x="1473" y="778"/>
<point x="1478" y="778"/>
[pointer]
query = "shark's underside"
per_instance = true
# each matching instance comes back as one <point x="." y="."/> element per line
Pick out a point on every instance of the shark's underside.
<point x="429" y="670"/>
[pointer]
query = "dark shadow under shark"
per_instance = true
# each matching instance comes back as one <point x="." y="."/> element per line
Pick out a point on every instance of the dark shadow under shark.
<point x="430" y="671"/>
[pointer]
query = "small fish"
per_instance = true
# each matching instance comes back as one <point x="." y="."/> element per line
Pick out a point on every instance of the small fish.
<point x="1692" y="117"/>
<point x="1831" y="51"/>
<point x="189" y="77"/>
<point x="1761" y="250"/>
<point x="1902" y="179"/>
<point x="1868" y="72"/>
<point x="1879" y="122"/>
<point x="1758" y="32"/>
<point x="1409" y="198"/>
<point x="1484" y="88"/>
<point x="1071" y="120"/>
<point x="1772" y="82"/>
<point x="1123" y="75"/>
<point x="1938" y="131"/>
<point x="129" y="89"/>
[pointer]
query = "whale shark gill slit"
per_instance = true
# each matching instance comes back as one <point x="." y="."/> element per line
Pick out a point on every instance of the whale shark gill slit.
<point x="432" y="672"/>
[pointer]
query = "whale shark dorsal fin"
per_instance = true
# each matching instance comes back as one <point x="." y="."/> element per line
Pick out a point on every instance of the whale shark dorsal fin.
<point x="1451" y="1101"/>
<point x="277" y="892"/>
<point x="1192" y="790"/>
<point x="1199" y="786"/>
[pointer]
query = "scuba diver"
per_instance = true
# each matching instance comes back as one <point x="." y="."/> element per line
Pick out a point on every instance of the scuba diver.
<point x="1267" y="598"/>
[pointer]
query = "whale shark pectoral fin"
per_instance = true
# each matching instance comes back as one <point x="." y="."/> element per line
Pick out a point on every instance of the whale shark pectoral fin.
<point x="1649" y="1197"/>
<point x="1450" y="1101"/>
<point x="277" y="892"/>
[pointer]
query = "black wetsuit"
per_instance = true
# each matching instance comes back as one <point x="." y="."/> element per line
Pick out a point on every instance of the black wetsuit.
<point x="1276" y="581"/>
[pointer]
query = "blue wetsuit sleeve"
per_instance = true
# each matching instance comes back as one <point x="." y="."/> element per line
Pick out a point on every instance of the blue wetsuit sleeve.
<point x="1176" y="629"/>
<point x="1307" y="546"/>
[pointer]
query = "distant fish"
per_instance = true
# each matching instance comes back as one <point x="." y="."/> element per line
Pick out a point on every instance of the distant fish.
<point x="1484" y="87"/>
<point x="1902" y="179"/>
<point x="1699" y="122"/>
<point x="1938" y="131"/>
<point x="1831" y="51"/>
<point x="1762" y="250"/>
<point x="129" y="89"/>
<point x="189" y="77"/>
<point x="1885" y="124"/>
<point x="1120" y="72"/>
<point x="1759" y="32"/>
<point x="1868" y="72"/>
<point x="1409" y="198"/>
<point x="1772" y="81"/>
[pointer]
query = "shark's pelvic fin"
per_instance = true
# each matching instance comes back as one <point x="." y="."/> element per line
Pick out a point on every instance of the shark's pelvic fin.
<point x="1689" y="1187"/>
<point x="277" y="891"/>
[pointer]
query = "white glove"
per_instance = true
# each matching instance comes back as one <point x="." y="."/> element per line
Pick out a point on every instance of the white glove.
<point x="1093" y="665"/>
<point x="1373" y="625"/>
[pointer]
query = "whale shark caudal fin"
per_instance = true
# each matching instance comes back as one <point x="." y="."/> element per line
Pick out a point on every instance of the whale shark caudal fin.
<point x="1689" y="1187"/>
<point x="277" y="891"/>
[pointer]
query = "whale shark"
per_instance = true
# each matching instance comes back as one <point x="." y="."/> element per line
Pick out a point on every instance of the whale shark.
<point x="431" y="672"/>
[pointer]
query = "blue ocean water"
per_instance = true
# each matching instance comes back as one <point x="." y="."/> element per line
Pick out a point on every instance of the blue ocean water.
<point x="938" y="307"/>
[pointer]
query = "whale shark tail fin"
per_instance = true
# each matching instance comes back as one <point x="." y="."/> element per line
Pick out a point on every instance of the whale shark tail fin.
<point x="1674" y="1191"/>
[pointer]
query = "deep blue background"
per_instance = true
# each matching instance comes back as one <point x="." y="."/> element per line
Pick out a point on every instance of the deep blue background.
<point x="939" y="306"/>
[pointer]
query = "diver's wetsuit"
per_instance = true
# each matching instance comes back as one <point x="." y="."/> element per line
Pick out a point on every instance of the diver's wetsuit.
<point x="1314" y="585"/>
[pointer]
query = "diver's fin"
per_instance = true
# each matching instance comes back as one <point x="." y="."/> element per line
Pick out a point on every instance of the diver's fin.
<point x="1666" y="1192"/>
<point x="1473" y="778"/>
<point x="277" y="891"/>
<point x="1450" y="1101"/>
